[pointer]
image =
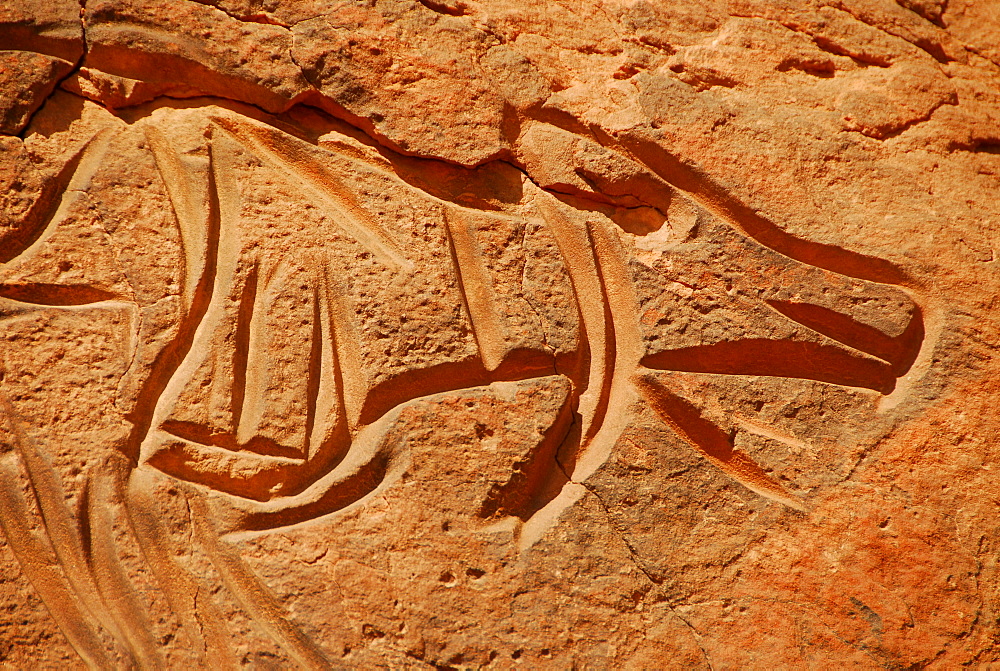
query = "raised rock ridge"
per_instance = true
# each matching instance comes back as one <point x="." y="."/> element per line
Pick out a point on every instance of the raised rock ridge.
<point x="466" y="334"/>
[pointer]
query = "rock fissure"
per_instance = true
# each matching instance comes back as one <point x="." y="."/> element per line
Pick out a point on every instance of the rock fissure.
<point x="621" y="537"/>
<point x="57" y="86"/>
<point x="263" y="18"/>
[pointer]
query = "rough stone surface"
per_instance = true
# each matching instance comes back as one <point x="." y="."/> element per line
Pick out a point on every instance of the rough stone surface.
<point x="473" y="334"/>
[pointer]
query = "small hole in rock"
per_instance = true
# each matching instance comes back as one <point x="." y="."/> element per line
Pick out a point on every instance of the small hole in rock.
<point x="371" y="632"/>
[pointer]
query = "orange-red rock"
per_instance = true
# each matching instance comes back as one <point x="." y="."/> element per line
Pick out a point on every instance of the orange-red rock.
<point x="465" y="334"/>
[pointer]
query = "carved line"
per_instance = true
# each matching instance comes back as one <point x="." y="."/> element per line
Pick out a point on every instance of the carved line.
<point x="611" y="344"/>
<point x="198" y="433"/>
<point x="716" y="446"/>
<point x="241" y="473"/>
<point x="104" y="489"/>
<point x="519" y="364"/>
<point x="42" y="567"/>
<point x="328" y="425"/>
<point x="241" y="350"/>
<point x="314" y="374"/>
<point x="476" y="287"/>
<point x="195" y="228"/>
<point x="362" y="471"/>
<point x="778" y="358"/>
<point x="73" y="178"/>
<point x="73" y="586"/>
<point x="200" y="619"/>
<point x="199" y="323"/>
<point x="716" y="200"/>
<point x="255" y="598"/>
<point x="57" y="295"/>
<point x="351" y="380"/>
<point x="328" y="440"/>
<point x="900" y="351"/>
<point x="177" y="350"/>
<point x="752" y="426"/>
<point x="620" y="311"/>
<point x="257" y="368"/>
<point x="596" y="338"/>
<point x="59" y="526"/>
<point x="287" y="156"/>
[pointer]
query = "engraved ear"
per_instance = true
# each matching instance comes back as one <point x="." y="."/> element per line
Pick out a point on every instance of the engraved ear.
<point x="898" y="351"/>
<point x="779" y="358"/>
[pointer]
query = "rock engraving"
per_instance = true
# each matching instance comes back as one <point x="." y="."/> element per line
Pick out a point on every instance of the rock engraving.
<point x="265" y="400"/>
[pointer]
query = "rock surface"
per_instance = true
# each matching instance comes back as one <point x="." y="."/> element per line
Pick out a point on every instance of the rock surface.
<point x="468" y="334"/>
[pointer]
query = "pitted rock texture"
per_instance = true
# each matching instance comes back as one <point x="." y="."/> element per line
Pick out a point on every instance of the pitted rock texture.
<point x="466" y="334"/>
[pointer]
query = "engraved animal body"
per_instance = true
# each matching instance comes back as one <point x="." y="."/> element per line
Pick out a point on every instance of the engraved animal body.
<point x="266" y="382"/>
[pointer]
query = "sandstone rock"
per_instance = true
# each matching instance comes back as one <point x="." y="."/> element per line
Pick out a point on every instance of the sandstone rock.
<point x="27" y="79"/>
<point x="50" y="27"/>
<point x="461" y="334"/>
<point x="183" y="47"/>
